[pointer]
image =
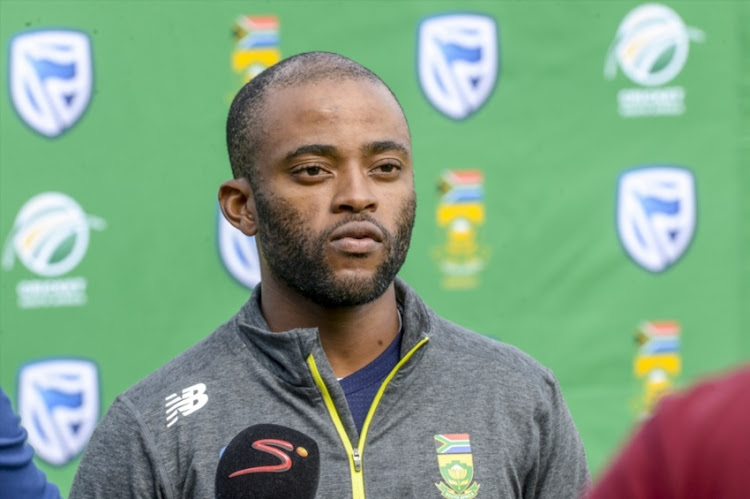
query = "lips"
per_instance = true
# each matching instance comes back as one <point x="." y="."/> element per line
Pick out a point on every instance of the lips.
<point x="357" y="237"/>
<point x="358" y="230"/>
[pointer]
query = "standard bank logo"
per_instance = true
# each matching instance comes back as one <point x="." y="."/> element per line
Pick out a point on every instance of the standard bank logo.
<point x="58" y="401"/>
<point x="50" y="237"/>
<point x="651" y="47"/>
<point x="50" y="78"/>
<point x="457" y="62"/>
<point x="656" y="215"/>
<point x="238" y="252"/>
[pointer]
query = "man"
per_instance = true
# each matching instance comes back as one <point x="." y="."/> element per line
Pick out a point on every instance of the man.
<point x="396" y="401"/>
<point x="695" y="446"/>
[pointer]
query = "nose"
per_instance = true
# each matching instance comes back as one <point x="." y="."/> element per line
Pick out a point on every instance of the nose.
<point x="354" y="192"/>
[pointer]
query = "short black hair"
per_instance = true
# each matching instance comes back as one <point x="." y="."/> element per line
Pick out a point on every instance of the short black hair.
<point x="245" y="120"/>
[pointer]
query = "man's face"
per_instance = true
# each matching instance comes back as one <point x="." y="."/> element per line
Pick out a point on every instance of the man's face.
<point x="335" y="202"/>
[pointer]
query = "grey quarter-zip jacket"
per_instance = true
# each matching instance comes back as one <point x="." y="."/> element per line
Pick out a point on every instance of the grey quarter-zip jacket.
<point x="460" y="416"/>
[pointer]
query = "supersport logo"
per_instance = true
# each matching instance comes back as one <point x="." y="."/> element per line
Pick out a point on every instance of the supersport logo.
<point x="272" y="446"/>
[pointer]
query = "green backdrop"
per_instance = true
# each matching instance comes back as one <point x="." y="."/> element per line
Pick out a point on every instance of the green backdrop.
<point x="517" y="227"/>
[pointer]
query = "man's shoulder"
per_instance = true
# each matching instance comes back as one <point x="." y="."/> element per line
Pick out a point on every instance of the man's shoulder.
<point x="463" y="345"/>
<point x="467" y="351"/>
<point x="199" y="365"/>
<point x="160" y="420"/>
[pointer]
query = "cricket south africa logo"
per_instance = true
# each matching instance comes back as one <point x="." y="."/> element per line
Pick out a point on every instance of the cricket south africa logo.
<point x="58" y="401"/>
<point x="656" y="215"/>
<point x="50" y="78"/>
<point x="658" y="361"/>
<point x="50" y="236"/>
<point x="456" y="466"/>
<point x="461" y="215"/>
<point x="651" y="47"/>
<point x="457" y="62"/>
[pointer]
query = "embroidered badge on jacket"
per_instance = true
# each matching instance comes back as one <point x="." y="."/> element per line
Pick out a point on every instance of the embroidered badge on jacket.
<point x="456" y="466"/>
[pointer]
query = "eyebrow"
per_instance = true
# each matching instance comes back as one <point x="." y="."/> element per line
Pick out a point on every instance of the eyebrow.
<point x="317" y="149"/>
<point x="384" y="146"/>
<point x="372" y="148"/>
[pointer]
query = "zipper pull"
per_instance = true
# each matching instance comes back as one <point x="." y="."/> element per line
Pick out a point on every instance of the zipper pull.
<point x="357" y="460"/>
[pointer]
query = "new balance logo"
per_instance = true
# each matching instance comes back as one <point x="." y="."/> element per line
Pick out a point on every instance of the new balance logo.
<point x="192" y="399"/>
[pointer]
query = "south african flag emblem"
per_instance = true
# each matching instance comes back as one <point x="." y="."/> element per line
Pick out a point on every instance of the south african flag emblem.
<point x="456" y="466"/>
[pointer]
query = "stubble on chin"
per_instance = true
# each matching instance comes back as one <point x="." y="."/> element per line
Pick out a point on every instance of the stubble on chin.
<point x="297" y="256"/>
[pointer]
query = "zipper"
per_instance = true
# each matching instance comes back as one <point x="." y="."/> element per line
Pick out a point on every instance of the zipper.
<point x="355" y="454"/>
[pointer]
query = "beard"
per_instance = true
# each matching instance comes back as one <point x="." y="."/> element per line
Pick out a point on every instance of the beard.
<point x="296" y="255"/>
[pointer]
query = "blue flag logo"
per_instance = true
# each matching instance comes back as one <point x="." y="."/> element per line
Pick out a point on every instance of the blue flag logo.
<point x="50" y="78"/>
<point x="656" y="215"/>
<point x="458" y="62"/>
<point x="58" y="401"/>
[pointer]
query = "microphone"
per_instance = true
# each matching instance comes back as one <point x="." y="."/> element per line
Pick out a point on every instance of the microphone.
<point x="268" y="461"/>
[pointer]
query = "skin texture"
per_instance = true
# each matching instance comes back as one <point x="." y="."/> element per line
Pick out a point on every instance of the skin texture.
<point x="332" y="212"/>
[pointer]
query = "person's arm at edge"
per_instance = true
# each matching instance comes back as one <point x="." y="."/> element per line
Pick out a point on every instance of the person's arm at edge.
<point x="19" y="476"/>
<point x="638" y="471"/>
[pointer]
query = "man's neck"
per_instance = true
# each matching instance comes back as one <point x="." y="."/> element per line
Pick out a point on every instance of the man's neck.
<point x="352" y="337"/>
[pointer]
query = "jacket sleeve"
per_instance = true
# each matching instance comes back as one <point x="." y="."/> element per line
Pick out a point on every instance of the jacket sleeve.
<point x="561" y="470"/>
<point x="19" y="476"/>
<point x="120" y="460"/>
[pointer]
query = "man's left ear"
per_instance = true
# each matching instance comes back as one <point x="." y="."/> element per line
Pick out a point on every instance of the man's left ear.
<point x="238" y="205"/>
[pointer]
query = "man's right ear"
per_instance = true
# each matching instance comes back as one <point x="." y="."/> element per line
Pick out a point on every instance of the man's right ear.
<point x="238" y="205"/>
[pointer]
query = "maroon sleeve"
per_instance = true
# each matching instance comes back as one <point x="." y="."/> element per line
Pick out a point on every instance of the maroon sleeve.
<point x="695" y="446"/>
<point x="639" y="470"/>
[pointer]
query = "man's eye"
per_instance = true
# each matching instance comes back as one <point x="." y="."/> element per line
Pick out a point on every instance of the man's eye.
<point x="310" y="171"/>
<point x="388" y="168"/>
